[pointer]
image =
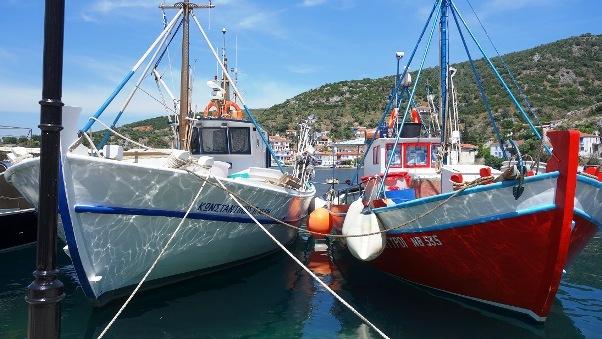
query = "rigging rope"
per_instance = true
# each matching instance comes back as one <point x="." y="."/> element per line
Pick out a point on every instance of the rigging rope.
<point x="514" y="80"/>
<point x="484" y="97"/>
<point x="470" y="184"/>
<point x="405" y="114"/>
<point x="154" y="263"/>
<point x="499" y="77"/>
<point x="312" y="274"/>
<point x="395" y="89"/>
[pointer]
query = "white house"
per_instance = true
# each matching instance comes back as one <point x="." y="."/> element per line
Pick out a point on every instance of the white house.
<point x="589" y="145"/>
<point x="282" y="148"/>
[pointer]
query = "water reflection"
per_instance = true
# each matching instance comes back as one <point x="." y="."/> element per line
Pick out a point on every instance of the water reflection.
<point x="273" y="298"/>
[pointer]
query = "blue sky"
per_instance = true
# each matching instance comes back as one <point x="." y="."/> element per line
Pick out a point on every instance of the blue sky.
<point x="284" y="47"/>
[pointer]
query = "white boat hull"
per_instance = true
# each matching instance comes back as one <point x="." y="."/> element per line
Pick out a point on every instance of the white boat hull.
<point x="117" y="216"/>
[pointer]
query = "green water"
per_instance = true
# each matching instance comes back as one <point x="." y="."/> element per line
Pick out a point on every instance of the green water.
<point x="273" y="298"/>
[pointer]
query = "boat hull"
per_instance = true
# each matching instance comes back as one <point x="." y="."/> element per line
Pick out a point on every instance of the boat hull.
<point x="18" y="228"/>
<point x="588" y="213"/>
<point x="487" y="243"/>
<point x="117" y="217"/>
<point x="503" y="263"/>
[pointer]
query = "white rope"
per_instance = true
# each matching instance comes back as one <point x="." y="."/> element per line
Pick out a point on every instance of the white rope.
<point x="221" y="65"/>
<point x="91" y="142"/>
<point x="154" y="263"/>
<point x="364" y="319"/>
<point x="120" y="135"/>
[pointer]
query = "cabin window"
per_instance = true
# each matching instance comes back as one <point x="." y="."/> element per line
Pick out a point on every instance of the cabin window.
<point x="396" y="157"/>
<point x="214" y="140"/>
<point x="195" y="145"/>
<point x="240" y="140"/>
<point x="375" y="155"/>
<point x="416" y="155"/>
<point x="435" y="149"/>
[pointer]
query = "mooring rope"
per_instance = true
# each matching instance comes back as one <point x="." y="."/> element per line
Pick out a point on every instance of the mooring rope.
<point x="154" y="263"/>
<point x="470" y="184"/>
<point x="356" y="312"/>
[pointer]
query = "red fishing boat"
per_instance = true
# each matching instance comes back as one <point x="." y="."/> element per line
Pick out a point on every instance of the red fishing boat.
<point x="427" y="217"/>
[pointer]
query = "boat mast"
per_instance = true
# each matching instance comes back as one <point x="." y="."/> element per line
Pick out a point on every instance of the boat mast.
<point x="184" y="77"/>
<point x="444" y="64"/>
<point x="225" y="82"/>
<point x="187" y="8"/>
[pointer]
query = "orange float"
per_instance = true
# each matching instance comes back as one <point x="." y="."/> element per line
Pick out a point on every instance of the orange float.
<point x="319" y="222"/>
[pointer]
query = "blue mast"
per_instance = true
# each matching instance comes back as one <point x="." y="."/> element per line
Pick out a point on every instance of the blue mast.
<point x="443" y="62"/>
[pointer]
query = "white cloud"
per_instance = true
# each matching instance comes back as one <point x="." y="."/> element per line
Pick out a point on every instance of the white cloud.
<point x="263" y="94"/>
<point x="312" y="3"/>
<point x="6" y="55"/>
<point x="500" y="6"/>
<point x="301" y="69"/>
<point x="106" y="6"/>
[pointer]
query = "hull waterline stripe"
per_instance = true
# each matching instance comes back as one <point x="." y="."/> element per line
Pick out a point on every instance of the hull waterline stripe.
<point x="587" y="217"/>
<point x="483" y="188"/>
<point x="98" y="209"/>
<point x="475" y="221"/>
<point x="589" y="181"/>
<point x="517" y="309"/>
<point x="70" y="237"/>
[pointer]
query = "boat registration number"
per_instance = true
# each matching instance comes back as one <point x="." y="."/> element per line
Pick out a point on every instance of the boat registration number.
<point x="416" y="241"/>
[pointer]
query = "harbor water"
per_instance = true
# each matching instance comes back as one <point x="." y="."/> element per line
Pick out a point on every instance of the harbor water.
<point x="274" y="298"/>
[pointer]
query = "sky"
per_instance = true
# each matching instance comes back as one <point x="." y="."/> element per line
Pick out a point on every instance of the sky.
<point x="284" y="47"/>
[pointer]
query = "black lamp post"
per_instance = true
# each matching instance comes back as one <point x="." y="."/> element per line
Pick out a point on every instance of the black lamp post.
<point x="46" y="291"/>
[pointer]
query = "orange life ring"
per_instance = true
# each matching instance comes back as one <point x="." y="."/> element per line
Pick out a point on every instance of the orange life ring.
<point x="210" y="105"/>
<point x="224" y="111"/>
<point x="415" y="115"/>
<point x="393" y="117"/>
<point x="237" y="115"/>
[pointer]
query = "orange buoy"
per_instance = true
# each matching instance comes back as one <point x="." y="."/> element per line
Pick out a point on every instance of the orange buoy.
<point x="485" y="172"/>
<point x="457" y="178"/>
<point x="393" y="117"/>
<point x="319" y="221"/>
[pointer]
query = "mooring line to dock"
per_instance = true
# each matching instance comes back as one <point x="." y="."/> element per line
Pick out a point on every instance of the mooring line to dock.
<point x="466" y="186"/>
<point x="351" y="308"/>
<point x="106" y="329"/>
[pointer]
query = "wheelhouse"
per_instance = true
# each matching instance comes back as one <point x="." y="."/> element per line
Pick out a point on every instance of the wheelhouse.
<point x="236" y="142"/>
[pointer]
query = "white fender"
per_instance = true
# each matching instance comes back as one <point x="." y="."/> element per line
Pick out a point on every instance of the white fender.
<point x="365" y="248"/>
<point x="315" y="203"/>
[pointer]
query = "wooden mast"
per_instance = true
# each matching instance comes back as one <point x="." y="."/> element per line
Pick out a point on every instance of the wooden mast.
<point x="185" y="75"/>
<point x="184" y="78"/>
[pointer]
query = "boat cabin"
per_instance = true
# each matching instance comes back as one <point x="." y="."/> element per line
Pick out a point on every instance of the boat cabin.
<point x="236" y="142"/>
<point x="414" y="155"/>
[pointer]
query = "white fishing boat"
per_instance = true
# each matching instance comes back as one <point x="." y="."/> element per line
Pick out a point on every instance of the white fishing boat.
<point x="118" y="209"/>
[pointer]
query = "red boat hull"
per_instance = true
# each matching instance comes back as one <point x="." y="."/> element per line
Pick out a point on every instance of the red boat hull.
<point x="581" y="234"/>
<point x="511" y="263"/>
<point x="514" y="262"/>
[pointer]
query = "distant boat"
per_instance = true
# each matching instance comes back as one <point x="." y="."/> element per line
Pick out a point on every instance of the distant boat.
<point x="501" y="239"/>
<point x="17" y="217"/>
<point x="117" y="211"/>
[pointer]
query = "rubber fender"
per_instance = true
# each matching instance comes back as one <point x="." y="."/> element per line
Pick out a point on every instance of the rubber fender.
<point x="368" y="247"/>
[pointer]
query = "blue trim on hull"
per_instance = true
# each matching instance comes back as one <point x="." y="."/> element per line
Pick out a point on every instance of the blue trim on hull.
<point x="99" y="209"/>
<point x="70" y="237"/>
<point x="483" y="188"/>
<point x="587" y="217"/>
<point x="470" y="222"/>
<point x="589" y="181"/>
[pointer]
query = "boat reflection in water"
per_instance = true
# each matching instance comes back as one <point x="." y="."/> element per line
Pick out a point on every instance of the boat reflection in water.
<point x="274" y="298"/>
